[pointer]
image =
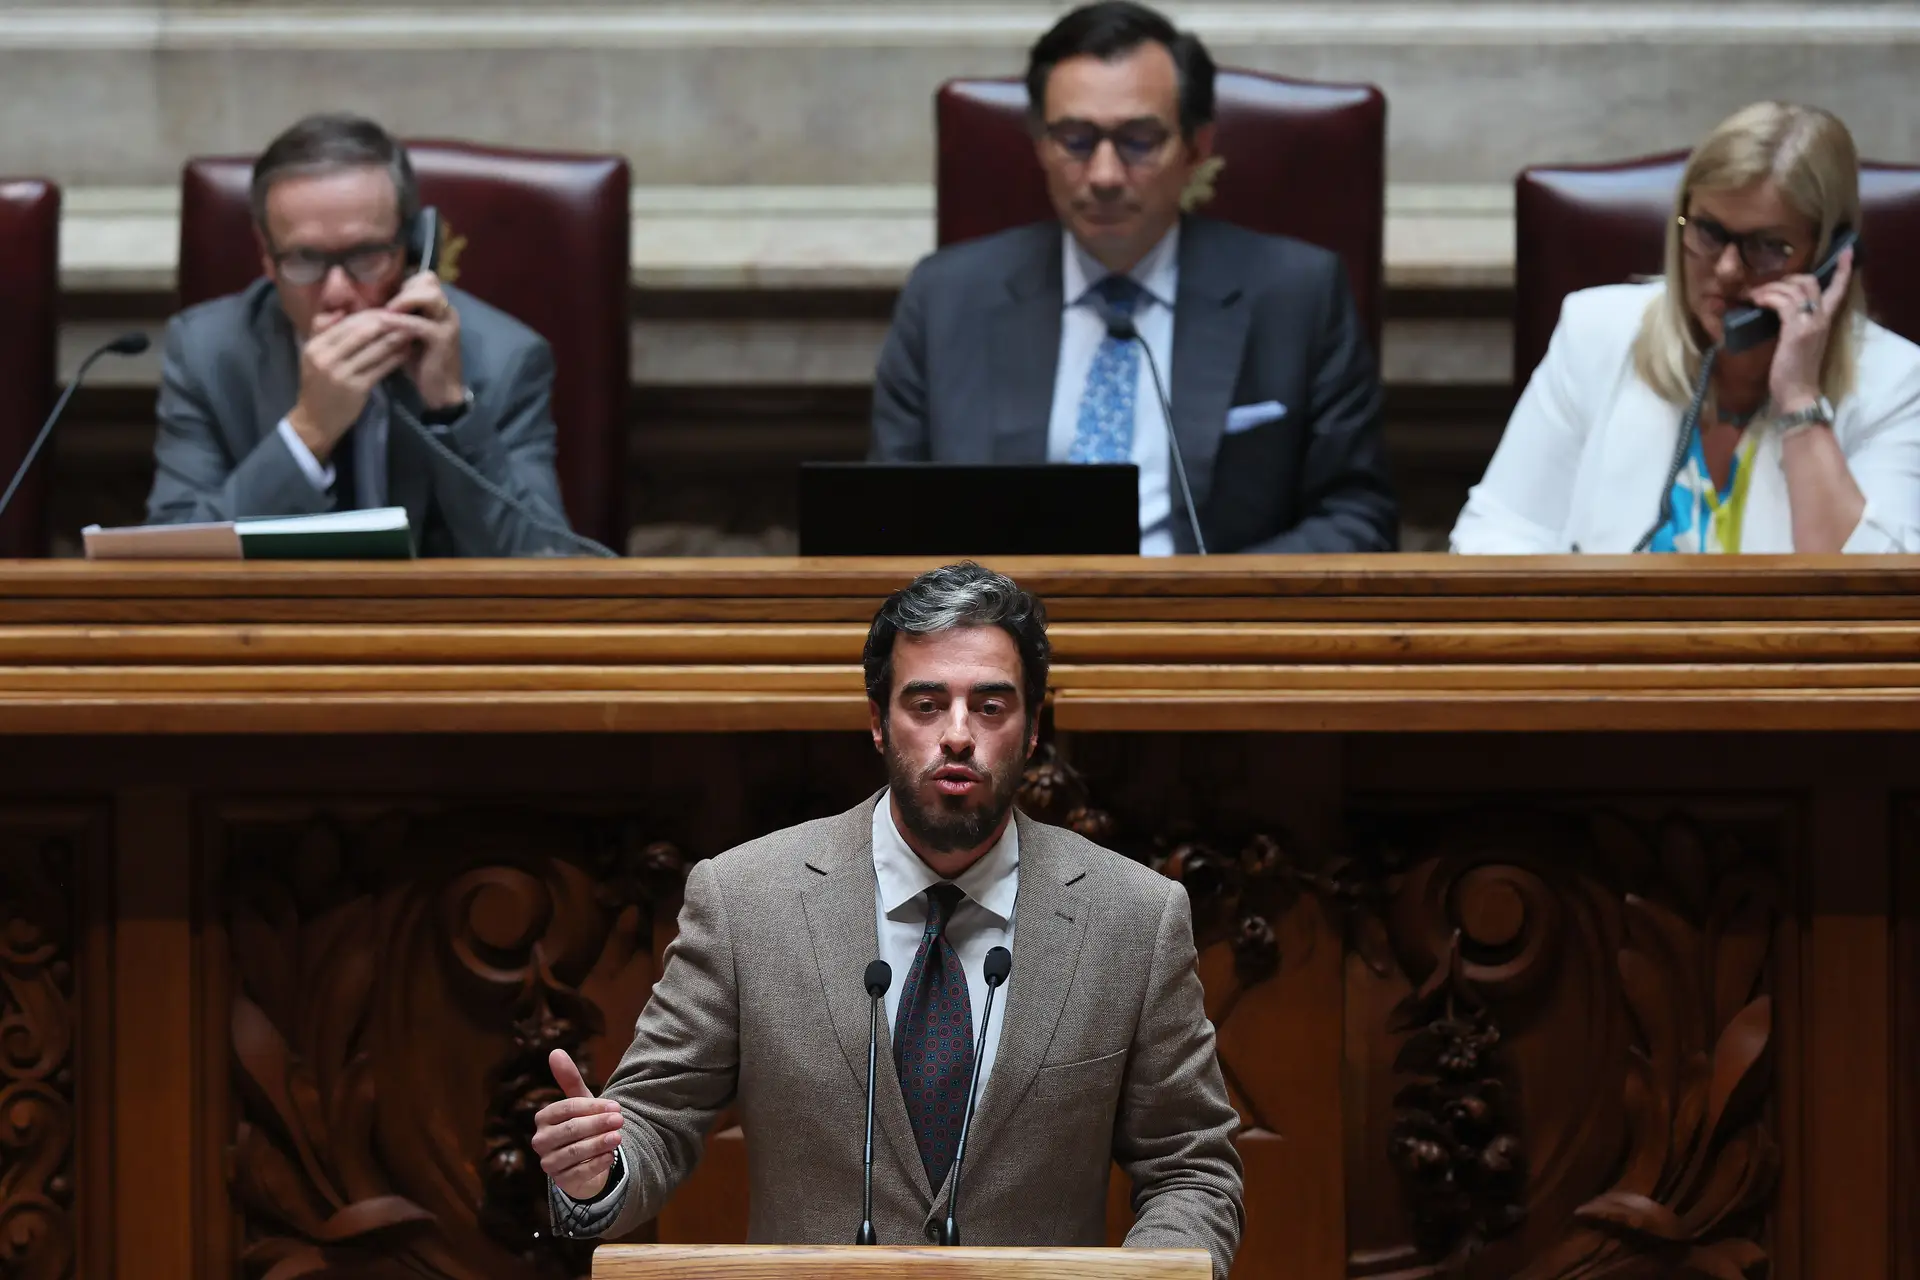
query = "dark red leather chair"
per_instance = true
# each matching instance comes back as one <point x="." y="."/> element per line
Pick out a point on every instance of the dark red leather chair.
<point x="29" y="307"/>
<point x="1578" y="226"/>
<point x="543" y="236"/>
<point x="1302" y="159"/>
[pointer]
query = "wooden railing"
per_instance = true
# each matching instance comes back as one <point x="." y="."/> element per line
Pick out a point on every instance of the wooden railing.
<point x="1347" y="644"/>
<point x="302" y="867"/>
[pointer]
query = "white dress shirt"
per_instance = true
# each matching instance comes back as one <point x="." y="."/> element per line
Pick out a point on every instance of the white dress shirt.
<point x="369" y="454"/>
<point x="979" y="924"/>
<point x="1081" y="334"/>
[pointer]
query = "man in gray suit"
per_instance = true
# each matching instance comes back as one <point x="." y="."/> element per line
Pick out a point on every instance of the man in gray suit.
<point x="1100" y="1050"/>
<point x="1000" y="352"/>
<point x="319" y="387"/>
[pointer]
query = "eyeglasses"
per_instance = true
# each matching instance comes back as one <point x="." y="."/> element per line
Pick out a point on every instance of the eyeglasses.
<point x="1137" y="142"/>
<point x="366" y="263"/>
<point x="1762" y="253"/>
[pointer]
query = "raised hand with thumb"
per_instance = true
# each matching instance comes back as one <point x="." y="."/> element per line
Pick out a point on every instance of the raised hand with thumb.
<point x="576" y="1137"/>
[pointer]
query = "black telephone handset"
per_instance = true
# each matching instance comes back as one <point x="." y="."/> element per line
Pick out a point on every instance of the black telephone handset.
<point x="423" y="242"/>
<point x="1748" y="327"/>
<point x="422" y="236"/>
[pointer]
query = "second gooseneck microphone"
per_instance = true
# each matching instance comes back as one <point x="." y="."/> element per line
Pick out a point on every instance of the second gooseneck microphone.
<point x="127" y="344"/>
<point x="879" y="978"/>
<point x="998" y="965"/>
<point x="1122" y="329"/>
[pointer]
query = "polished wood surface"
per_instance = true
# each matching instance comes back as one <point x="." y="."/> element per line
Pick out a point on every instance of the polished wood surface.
<point x="1557" y="920"/>
<point x="1228" y="644"/>
<point x="773" y="1262"/>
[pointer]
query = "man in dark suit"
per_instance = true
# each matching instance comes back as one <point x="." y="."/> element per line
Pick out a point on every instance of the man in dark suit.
<point x="999" y="352"/>
<point x="318" y="387"/>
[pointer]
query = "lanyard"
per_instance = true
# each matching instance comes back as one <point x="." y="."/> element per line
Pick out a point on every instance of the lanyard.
<point x="1725" y="515"/>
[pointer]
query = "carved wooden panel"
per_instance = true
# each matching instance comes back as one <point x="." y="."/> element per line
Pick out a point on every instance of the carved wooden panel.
<point x="1549" y="1018"/>
<point x="43" y="857"/>
<point x="1558" y="1011"/>
<point x="1906" y="1043"/>
<point x="1578" y="1064"/>
<point x="399" y="976"/>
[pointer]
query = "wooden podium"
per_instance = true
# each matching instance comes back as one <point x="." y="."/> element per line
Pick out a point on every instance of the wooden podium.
<point x="1590" y="885"/>
<point x="871" y="1262"/>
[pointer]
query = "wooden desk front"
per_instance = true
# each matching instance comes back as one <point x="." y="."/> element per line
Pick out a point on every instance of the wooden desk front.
<point x="1569" y="908"/>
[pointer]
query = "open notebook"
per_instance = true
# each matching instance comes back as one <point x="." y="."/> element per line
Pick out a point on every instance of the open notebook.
<point x="377" y="534"/>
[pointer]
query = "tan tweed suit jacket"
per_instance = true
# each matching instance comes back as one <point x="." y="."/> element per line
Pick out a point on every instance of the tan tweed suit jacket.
<point x="1106" y="1055"/>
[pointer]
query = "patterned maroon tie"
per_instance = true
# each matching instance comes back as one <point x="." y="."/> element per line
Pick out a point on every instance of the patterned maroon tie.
<point x="933" y="1041"/>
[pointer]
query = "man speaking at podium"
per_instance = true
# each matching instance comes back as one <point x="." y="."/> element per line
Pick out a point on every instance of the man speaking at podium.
<point x="1100" y="1051"/>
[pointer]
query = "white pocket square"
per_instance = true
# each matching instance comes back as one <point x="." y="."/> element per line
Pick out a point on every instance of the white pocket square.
<point x="1245" y="417"/>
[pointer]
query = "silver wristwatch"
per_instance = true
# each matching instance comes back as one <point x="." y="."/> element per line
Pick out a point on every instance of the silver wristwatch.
<point x="1819" y="413"/>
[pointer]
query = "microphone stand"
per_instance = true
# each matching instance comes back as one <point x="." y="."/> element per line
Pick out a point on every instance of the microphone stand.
<point x="1122" y="328"/>
<point x="999" y="964"/>
<point x="127" y="344"/>
<point x="879" y="978"/>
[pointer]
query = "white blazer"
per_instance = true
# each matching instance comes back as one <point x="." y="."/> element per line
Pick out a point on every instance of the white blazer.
<point x="1584" y="456"/>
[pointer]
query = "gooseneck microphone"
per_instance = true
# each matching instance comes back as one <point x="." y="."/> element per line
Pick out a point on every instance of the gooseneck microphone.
<point x="998" y="965"/>
<point x="879" y="978"/>
<point x="1122" y="329"/>
<point x="127" y="344"/>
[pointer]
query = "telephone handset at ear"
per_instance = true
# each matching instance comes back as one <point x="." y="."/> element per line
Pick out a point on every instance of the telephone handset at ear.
<point x="1748" y="327"/>
<point x="422" y="238"/>
<point x="423" y="242"/>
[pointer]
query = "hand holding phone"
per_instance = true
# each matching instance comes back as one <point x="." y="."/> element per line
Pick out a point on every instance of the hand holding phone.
<point x="1804" y="311"/>
<point x="1747" y="327"/>
<point x="423" y="312"/>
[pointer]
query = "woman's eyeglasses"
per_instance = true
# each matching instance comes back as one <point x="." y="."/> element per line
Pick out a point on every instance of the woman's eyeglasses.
<point x="1762" y="253"/>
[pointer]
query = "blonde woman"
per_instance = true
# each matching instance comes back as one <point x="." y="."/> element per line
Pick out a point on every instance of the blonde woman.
<point x="1807" y="443"/>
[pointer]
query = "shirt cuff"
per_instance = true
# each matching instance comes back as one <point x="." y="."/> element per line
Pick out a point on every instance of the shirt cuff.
<point x="320" y="477"/>
<point x="585" y="1219"/>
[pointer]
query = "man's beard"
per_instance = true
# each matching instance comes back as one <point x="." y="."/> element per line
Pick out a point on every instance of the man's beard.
<point x="951" y="831"/>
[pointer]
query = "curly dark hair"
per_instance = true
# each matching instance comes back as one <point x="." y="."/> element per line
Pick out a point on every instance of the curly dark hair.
<point x="960" y="595"/>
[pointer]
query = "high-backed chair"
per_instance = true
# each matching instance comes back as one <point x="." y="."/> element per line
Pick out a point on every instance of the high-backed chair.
<point x="543" y="236"/>
<point x="29" y="302"/>
<point x="1301" y="159"/>
<point x="1577" y="226"/>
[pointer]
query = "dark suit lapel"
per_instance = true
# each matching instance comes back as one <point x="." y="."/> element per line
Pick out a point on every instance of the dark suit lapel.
<point x="1023" y="351"/>
<point x="839" y="906"/>
<point x="277" y="356"/>
<point x="1210" y="321"/>
<point x="1050" y="923"/>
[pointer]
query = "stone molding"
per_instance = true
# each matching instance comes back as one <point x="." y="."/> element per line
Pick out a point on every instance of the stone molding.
<point x="911" y="24"/>
<point x="1447" y="236"/>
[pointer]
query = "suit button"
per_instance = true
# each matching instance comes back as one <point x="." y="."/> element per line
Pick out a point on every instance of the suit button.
<point x="933" y="1233"/>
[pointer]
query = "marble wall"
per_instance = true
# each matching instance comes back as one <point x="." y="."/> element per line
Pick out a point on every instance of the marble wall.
<point x="791" y="92"/>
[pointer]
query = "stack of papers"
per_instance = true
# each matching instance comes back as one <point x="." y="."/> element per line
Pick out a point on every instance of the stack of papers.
<point x="377" y="534"/>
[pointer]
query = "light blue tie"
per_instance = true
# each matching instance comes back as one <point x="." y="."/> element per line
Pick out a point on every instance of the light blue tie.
<point x="1104" y="432"/>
